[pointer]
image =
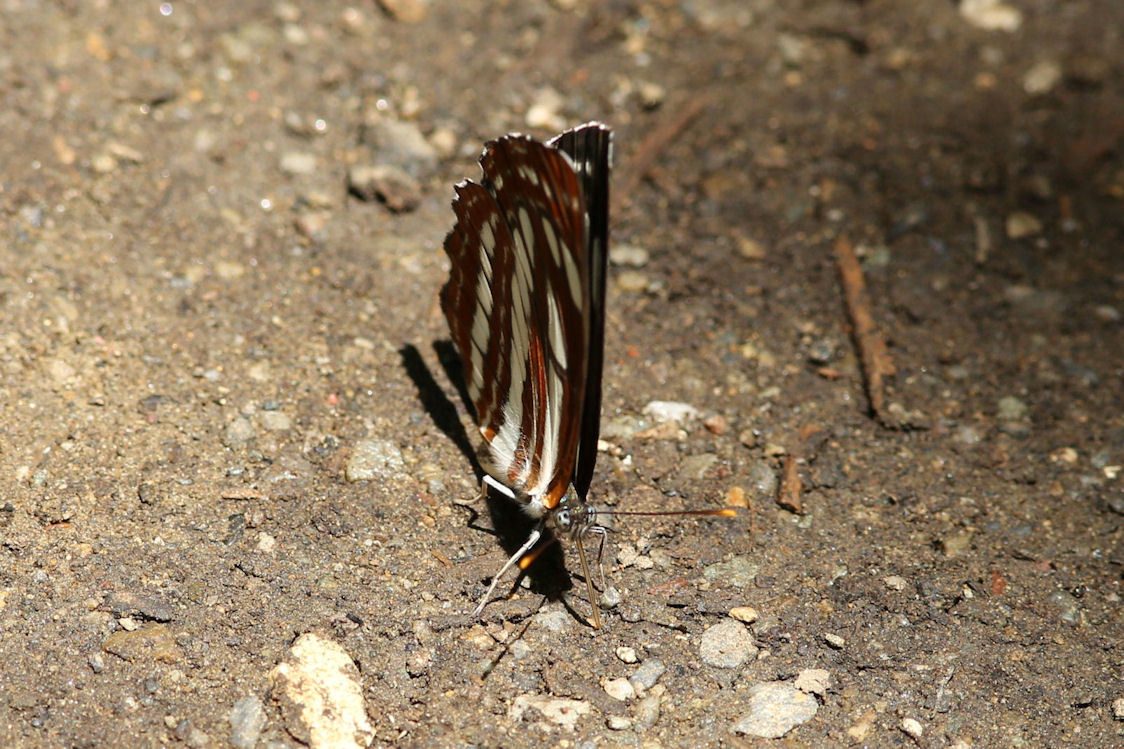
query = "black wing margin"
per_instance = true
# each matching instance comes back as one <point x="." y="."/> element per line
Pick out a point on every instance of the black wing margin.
<point x="590" y="148"/>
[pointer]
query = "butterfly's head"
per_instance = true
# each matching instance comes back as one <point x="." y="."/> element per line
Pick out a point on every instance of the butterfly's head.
<point x="572" y="517"/>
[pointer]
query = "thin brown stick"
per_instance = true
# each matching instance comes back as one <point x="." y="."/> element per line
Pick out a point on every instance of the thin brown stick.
<point x="656" y="141"/>
<point x="873" y="355"/>
<point x="791" y="487"/>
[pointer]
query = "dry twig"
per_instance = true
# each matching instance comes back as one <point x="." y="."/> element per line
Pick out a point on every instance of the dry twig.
<point x="873" y="355"/>
<point x="791" y="487"/>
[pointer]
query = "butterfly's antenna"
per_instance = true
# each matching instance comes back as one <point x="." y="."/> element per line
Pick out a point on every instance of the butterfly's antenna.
<point x="725" y="512"/>
<point x="588" y="582"/>
<point x="533" y="539"/>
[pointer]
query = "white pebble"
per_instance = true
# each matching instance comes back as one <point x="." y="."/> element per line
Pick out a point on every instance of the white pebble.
<point x="629" y="254"/>
<point x="834" y="640"/>
<point x="665" y="411"/>
<point x="620" y="689"/>
<point x="912" y="727"/>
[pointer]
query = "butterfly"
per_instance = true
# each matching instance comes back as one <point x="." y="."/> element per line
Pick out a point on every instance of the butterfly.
<point x="525" y="302"/>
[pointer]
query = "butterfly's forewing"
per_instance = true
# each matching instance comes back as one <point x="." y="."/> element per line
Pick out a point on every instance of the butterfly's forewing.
<point x="519" y="305"/>
<point x="590" y="148"/>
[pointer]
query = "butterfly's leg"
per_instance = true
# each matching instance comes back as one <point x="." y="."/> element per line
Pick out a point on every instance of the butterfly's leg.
<point x="600" y="552"/>
<point x="489" y="481"/>
<point x="588" y="583"/>
<point x="533" y="539"/>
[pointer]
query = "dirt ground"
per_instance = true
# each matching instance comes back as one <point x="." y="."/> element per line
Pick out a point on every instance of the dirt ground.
<point x="228" y="418"/>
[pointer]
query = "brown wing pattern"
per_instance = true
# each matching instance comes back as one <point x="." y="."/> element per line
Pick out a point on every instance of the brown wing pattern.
<point x="518" y="306"/>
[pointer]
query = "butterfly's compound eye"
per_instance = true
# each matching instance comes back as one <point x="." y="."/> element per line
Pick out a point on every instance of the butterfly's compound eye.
<point x="562" y="517"/>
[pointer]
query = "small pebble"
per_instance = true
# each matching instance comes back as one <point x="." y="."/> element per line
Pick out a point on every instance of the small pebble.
<point x="610" y="598"/>
<point x="750" y="249"/>
<point x="1011" y="408"/>
<point x="619" y="689"/>
<point x="746" y="614"/>
<point x="103" y="163"/>
<point x="631" y="281"/>
<point x="834" y="641"/>
<point x="717" y="424"/>
<point x="630" y="255"/>
<point x="259" y="371"/>
<point x="648" y="674"/>
<point x="1118" y="708"/>
<point x="697" y="466"/>
<point x="154" y="642"/>
<point x="247" y="719"/>
<point x="740" y="572"/>
<point x="1042" y="77"/>
<point x="647" y="711"/>
<point x="388" y="183"/>
<point x="228" y="270"/>
<point x="652" y="95"/>
<point x="991" y="15"/>
<point x="956" y="544"/>
<point x="298" y="163"/>
<point x="1066" y="606"/>
<point x="912" y="727"/>
<point x="401" y="144"/>
<point x="967" y="435"/>
<point x="775" y="450"/>
<point x="1107" y="313"/>
<point x="312" y="224"/>
<point x="1021" y="225"/>
<point x="813" y="681"/>
<point x="627" y="655"/>
<point x="666" y="411"/>
<point x="735" y="497"/>
<point x="238" y="433"/>
<point x="405" y="11"/>
<point x="543" y="110"/>
<point x="554" y="621"/>
<point x="372" y="459"/>
<point x="618" y="723"/>
<point x="748" y="438"/>
<point x="775" y="709"/>
<point x="444" y="142"/>
<point x="727" y="644"/>
<point x="763" y="478"/>
<point x="894" y="582"/>
<point x="275" y="421"/>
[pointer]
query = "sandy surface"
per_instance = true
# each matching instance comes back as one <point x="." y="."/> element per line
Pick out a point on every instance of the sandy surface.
<point x="228" y="419"/>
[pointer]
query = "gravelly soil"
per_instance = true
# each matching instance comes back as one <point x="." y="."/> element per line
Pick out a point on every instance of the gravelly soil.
<point x="202" y="330"/>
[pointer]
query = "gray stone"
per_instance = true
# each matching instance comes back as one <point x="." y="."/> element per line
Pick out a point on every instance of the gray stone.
<point x="648" y="674"/>
<point x="371" y="459"/>
<point x="739" y="571"/>
<point x="727" y="644"/>
<point x="238" y="433"/>
<point x="247" y="719"/>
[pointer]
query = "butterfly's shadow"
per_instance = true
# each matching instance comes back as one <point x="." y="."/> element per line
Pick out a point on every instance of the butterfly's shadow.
<point x="511" y="525"/>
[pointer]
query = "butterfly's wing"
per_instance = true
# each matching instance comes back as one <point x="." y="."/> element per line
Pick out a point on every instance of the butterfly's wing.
<point x="590" y="148"/>
<point x="519" y="305"/>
